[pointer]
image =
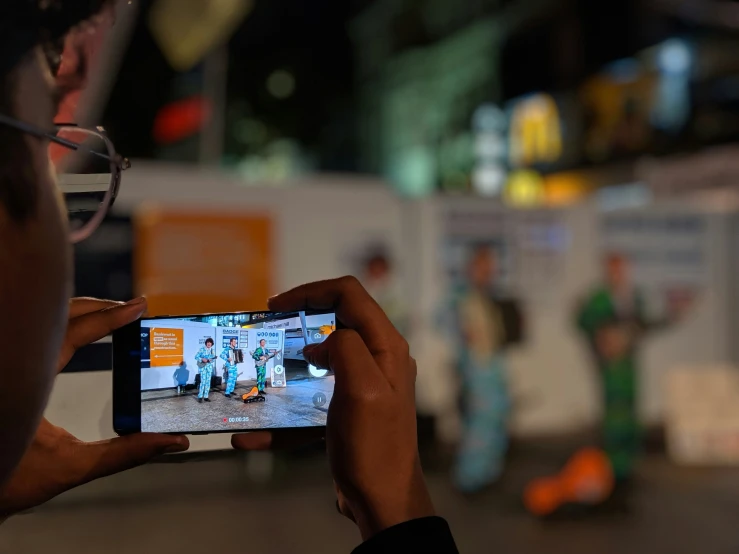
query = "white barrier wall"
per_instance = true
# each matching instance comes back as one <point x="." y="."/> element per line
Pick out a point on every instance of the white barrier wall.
<point x="322" y="224"/>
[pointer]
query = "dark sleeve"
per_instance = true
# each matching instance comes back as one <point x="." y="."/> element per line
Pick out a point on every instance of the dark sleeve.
<point x="428" y="535"/>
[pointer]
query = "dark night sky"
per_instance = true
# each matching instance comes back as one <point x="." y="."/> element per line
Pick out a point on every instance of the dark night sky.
<point x="310" y="40"/>
<point x="307" y="38"/>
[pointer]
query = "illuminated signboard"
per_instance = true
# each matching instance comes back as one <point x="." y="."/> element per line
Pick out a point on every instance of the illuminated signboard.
<point x="535" y="133"/>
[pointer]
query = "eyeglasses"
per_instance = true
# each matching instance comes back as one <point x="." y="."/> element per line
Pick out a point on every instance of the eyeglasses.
<point x="88" y="171"/>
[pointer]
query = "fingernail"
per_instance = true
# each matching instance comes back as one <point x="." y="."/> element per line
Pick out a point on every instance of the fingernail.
<point x="180" y="446"/>
<point x="136" y="301"/>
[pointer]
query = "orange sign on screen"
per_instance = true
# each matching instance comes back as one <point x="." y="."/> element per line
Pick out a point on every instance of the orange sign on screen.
<point x="167" y="346"/>
<point x="197" y="261"/>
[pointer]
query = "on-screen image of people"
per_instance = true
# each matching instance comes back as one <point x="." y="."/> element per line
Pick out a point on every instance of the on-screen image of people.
<point x="229" y="356"/>
<point x="480" y="358"/>
<point x="614" y="322"/>
<point x="205" y="359"/>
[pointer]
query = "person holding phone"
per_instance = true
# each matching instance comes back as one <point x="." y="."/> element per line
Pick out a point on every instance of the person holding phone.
<point x="371" y="431"/>
<point x="205" y="359"/>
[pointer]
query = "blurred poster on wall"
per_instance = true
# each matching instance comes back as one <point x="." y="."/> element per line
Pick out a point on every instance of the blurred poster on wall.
<point x="541" y="239"/>
<point x="666" y="252"/>
<point x="190" y="261"/>
<point x="529" y="247"/>
<point x="467" y="227"/>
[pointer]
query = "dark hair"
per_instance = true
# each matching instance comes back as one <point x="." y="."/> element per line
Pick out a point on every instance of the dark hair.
<point x="25" y="24"/>
<point x="209" y="340"/>
<point x="379" y="258"/>
<point x="480" y="249"/>
<point x="234" y="339"/>
<point x="262" y="340"/>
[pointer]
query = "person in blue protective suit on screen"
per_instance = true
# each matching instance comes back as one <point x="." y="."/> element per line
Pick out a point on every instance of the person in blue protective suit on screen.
<point x="205" y="359"/>
<point x="229" y="356"/>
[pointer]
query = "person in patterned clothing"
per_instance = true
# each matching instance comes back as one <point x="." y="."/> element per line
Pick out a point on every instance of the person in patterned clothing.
<point x="260" y="357"/>
<point x="477" y="327"/>
<point x="205" y="359"/>
<point x="229" y="356"/>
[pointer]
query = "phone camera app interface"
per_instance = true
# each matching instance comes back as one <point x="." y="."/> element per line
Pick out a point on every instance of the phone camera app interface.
<point x="233" y="372"/>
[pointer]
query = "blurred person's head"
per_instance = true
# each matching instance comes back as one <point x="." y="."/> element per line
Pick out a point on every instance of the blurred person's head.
<point x="35" y="255"/>
<point x="209" y="342"/>
<point x="262" y="343"/>
<point x="616" y="270"/>
<point x="377" y="267"/>
<point x="234" y="342"/>
<point x="482" y="267"/>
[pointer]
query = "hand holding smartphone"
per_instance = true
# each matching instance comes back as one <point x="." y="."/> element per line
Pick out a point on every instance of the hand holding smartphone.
<point x="370" y="415"/>
<point x="220" y="373"/>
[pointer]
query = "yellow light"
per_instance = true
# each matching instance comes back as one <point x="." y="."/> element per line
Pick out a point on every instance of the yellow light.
<point x="186" y="30"/>
<point x="525" y="189"/>
<point x="562" y="189"/>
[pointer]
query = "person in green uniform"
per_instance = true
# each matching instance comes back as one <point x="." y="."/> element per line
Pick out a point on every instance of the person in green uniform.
<point x="614" y="321"/>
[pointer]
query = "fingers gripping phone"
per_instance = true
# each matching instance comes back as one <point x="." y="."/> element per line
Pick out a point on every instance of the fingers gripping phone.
<point x="220" y="373"/>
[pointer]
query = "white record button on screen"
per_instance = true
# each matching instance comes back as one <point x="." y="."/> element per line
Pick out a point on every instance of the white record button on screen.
<point x="315" y="372"/>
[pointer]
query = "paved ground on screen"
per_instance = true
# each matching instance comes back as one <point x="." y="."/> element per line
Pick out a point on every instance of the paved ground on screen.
<point x="291" y="406"/>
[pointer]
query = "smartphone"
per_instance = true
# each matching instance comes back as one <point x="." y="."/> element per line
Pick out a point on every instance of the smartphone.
<point x="220" y="373"/>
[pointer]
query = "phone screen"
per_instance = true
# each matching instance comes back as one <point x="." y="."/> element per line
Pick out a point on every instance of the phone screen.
<point x="228" y="372"/>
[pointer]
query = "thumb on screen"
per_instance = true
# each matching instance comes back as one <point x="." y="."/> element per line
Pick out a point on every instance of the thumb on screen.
<point x="317" y="355"/>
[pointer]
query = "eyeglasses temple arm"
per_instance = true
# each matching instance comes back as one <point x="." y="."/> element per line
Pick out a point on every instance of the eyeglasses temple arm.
<point x="31" y="130"/>
<point x="75" y="146"/>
